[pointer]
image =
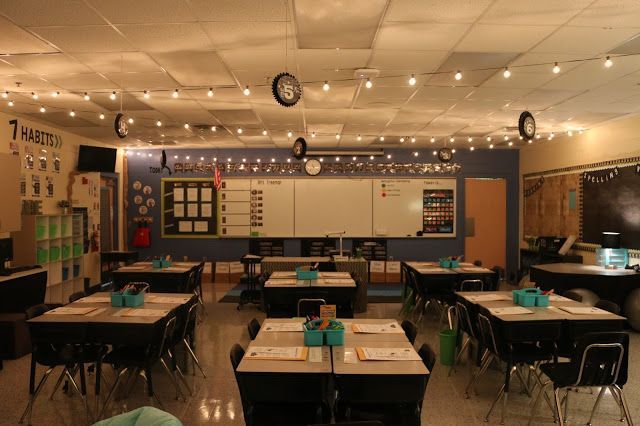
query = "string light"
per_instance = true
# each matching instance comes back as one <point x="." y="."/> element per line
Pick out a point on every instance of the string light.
<point x="471" y="149"/>
<point x="470" y="139"/>
<point x="556" y="68"/>
<point x="415" y="154"/>
<point x="354" y="158"/>
<point x="86" y="96"/>
<point x="413" y="139"/>
<point x="371" y="157"/>
<point x="451" y="139"/>
<point x="510" y="143"/>
<point x="453" y="151"/>
<point x="264" y="132"/>
<point x="214" y="129"/>
<point x="337" y="136"/>
<point x="381" y="138"/>
<point x="290" y="133"/>
<point x="432" y="140"/>
<point x="321" y="160"/>
<point x="326" y="86"/>
<point x="337" y="158"/>
<point x="42" y="109"/>
<point x="434" y="153"/>
<point x="458" y="75"/>
<point x="570" y="133"/>
<point x="54" y="94"/>
<point x="130" y="120"/>
<point x="259" y="160"/>
<point x="246" y="91"/>
<point x="368" y="84"/>
<point x="359" y="138"/>
<point x="412" y="80"/>
<point x="488" y="138"/>
<point x="34" y="95"/>
<point x="101" y="116"/>
<point x="175" y="156"/>
<point x="175" y="93"/>
<point x="608" y="62"/>
<point x="244" y="160"/>
<point x="506" y="73"/>
<point x="5" y="95"/>
<point x="490" y="146"/>
<point x="210" y="92"/>
<point x="401" y="140"/>
<point x="579" y="131"/>
<point x="186" y="125"/>
<point x="388" y="156"/>
<point x="72" y="113"/>
<point x="146" y="94"/>
<point x="506" y="138"/>
<point x="112" y="96"/>
<point x="530" y="141"/>
<point x="239" y="131"/>
<point x="538" y="136"/>
<point x="159" y="123"/>
<point x="520" y="137"/>
<point x="288" y="160"/>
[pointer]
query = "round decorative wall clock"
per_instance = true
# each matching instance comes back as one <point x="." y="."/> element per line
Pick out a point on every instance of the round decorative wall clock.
<point x="313" y="167"/>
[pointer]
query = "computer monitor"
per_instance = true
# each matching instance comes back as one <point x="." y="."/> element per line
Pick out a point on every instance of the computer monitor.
<point x="6" y="251"/>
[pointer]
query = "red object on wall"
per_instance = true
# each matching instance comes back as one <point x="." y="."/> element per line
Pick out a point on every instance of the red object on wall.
<point x="142" y="238"/>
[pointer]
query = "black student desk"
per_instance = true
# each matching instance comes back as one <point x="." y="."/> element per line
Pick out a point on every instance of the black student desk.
<point x="173" y="279"/>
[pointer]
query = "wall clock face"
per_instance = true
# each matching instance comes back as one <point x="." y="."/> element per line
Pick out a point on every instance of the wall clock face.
<point x="445" y="155"/>
<point x="286" y="89"/>
<point x="313" y="167"/>
<point x="121" y="126"/>
<point x="527" y="125"/>
<point x="299" y="148"/>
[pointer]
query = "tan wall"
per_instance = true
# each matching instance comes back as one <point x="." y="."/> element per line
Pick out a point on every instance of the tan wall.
<point x="486" y="202"/>
<point x="610" y="141"/>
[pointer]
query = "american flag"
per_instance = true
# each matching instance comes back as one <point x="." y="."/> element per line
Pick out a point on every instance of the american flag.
<point x="217" y="178"/>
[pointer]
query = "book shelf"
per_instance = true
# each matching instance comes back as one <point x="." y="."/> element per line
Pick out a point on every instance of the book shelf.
<point x="54" y="242"/>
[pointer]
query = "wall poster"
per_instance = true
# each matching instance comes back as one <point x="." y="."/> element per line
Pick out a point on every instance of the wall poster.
<point x="189" y="208"/>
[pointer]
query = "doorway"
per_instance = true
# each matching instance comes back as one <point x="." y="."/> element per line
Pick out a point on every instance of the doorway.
<point x="108" y="213"/>
<point x="485" y="202"/>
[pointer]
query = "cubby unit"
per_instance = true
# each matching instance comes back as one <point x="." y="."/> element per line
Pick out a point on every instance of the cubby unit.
<point x="54" y="242"/>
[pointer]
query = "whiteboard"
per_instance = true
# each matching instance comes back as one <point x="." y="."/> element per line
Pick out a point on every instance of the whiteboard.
<point x="326" y="205"/>
<point x="272" y="207"/>
<point x="399" y="206"/>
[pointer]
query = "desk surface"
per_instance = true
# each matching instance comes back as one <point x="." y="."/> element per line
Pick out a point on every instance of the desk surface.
<point x="433" y="268"/>
<point x="357" y="367"/>
<point x="21" y="274"/>
<point x="580" y="269"/>
<point x="551" y="313"/>
<point x="292" y="274"/>
<point x="269" y="366"/>
<point x="320" y="282"/>
<point x="281" y="259"/>
<point x="109" y="314"/>
<point x="147" y="268"/>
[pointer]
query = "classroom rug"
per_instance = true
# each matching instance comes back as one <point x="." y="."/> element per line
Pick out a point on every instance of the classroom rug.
<point x="376" y="293"/>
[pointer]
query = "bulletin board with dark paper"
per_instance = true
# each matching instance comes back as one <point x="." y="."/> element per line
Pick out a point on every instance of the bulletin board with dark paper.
<point x="189" y="208"/>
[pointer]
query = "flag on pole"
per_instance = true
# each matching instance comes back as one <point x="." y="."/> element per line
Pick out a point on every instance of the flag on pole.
<point x="217" y="178"/>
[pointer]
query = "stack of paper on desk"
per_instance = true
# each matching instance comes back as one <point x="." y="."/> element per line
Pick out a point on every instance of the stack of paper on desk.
<point x="387" y="354"/>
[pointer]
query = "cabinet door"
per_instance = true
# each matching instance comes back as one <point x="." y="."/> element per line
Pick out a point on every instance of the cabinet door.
<point x="10" y="211"/>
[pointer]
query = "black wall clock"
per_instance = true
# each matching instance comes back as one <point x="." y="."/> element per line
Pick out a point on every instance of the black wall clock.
<point x="286" y="89"/>
<point x="299" y="148"/>
<point x="121" y="126"/>
<point x="445" y="154"/>
<point x="527" y="125"/>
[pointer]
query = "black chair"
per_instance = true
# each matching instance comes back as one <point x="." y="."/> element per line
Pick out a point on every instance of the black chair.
<point x="600" y="360"/>
<point x="182" y="335"/>
<point x="77" y="296"/>
<point x="428" y="356"/>
<point x="477" y="263"/>
<point x="136" y="360"/>
<point x="608" y="306"/>
<point x="436" y="289"/>
<point x="570" y="294"/>
<point x="56" y="345"/>
<point x="515" y="355"/>
<point x="254" y="328"/>
<point x="472" y="285"/>
<point x="327" y="267"/>
<point x="410" y="330"/>
<point x="466" y="326"/>
<point x="308" y="306"/>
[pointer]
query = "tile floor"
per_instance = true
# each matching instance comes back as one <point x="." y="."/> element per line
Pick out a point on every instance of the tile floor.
<point x="216" y="399"/>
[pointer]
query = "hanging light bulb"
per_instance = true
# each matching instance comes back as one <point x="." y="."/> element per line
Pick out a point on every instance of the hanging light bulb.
<point x="337" y="136"/>
<point x="401" y="140"/>
<point x="214" y="129"/>
<point x="506" y="138"/>
<point x="520" y="137"/>
<point x="72" y="113"/>
<point x="415" y="154"/>
<point x="538" y="136"/>
<point x="54" y="94"/>
<point x="175" y="93"/>
<point x="506" y="73"/>
<point x="432" y="140"/>
<point x="371" y="157"/>
<point x="530" y="141"/>
<point x="239" y="131"/>
<point x="552" y="135"/>
<point x="570" y="133"/>
<point x="608" y="62"/>
<point x="146" y="94"/>
<point x="413" y="139"/>
<point x="42" y="109"/>
<point x="453" y="151"/>
<point x="434" y="153"/>
<point x="412" y="80"/>
<point x="288" y="160"/>
<point x="381" y="138"/>
<point x="337" y="159"/>
<point x="368" y="84"/>
<point x="556" y="68"/>
<point x="246" y="91"/>
<point x="451" y="139"/>
<point x="86" y="96"/>
<point x="359" y="138"/>
<point x="101" y="116"/>
<point x="130" y="120"/>
<point x="313" y="134"/>
<point x="10" y="103"/>
<point x="159" y="123"/>
<point x="488" y="138"/>
<point x="289" y="133"/>
<point x="321" y="160"/>
<point x="326" y="86"/>
<point x="579" y="131"/>
<point x="210" y="92"/>
<point x="388" y="156"/>
<point x="5" y="95"/>
<point x="469" y="139"/>
<point x="112" y="96"/>
<point x="34" y="95"/>
<point x="490" y="146"/>
<point x="510" y="143"/>
<point x="186" y="125"/>
<point x="264" y="132"/>
<point x="458" y="75"/>
<point x="471" y="149"/>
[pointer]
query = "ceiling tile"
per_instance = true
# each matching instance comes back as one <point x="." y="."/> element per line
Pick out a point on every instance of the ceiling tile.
<point x="142" y="80"/>
<point x="609" y="13"/>
<point x="258" y="59"/>
<point x="51" y="12"/>
<point x="502" y="38"/>
<point x="117" y="62"/>
<point x="337" y="97"/>
<point x="326" y="116"/>
<point x="573" y="40"/>
<point x="195" y="68"/>
<point x="238" y="10"/>
<point x="84" y="39"/>
<point x="417" y="116"/>
<point x="541" y="99"/>
<point x="234" y="117"/>
<point x="416" y="60"/>
<point x="7" y="69"/>
<point x="167" y="37"/>
<point x="56" y="63"/>
<point x="248" y="35"/>
<point x="419" y="36"/>
<point x="144" y="11"/>
<point x="80" y="82"/>
<point x="483" y="62"/>
<point x="17" y="40"/>
<point x="526" y="12"/>
<point x="320" y="25"/>
<point x="447" y="11"/>
<point x="28" y="83"/>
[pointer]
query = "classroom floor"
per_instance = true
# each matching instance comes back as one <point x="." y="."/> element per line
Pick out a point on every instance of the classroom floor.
<point x="216" y="399"/>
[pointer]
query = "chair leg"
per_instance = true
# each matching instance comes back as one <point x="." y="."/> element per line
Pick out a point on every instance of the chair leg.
<point x="58" y="383"/>
<point x="146" y="375"/>
<point x="194" y="357"/>
<point x="504" y="394"/>
<point x="82" y="391"/>
<point x="33" y="397"/>
<point x="173" y="380"/>
<point x="463" y="348"/>
<point x="523" y="382"/>
<point x="556" y="395"/>
<point x="625" y="407"/>
<point x="179" y="372"/>
<point x="546" y="397"/>
<point x="486" y="360"/>
<point x="449" y="316"/>
<point x="566" y="404"/>
<point x="595" y="405"/>
<point x="536" y="402"/>
<point x="112" y="391"/>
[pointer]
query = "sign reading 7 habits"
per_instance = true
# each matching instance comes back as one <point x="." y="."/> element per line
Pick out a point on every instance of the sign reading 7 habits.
<point x="36" y="136"/>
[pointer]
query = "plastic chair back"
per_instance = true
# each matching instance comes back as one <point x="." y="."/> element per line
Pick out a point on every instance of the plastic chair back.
<point x="487" y="335"/>
<point x="308" y="306"/>
<point x="608" y="306"/>
<point x="76" y="296"/>
<point x="601" y="359"/>
<point x="254" y="328"/>
<point x="464" y="320"/>
<point x="472" y="285"/>
<point x="570" y="294"/>
<point x="428" y="356"/>
<point x="410" y="330"/>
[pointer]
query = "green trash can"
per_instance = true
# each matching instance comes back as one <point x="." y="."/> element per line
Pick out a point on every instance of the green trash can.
<point x="448" y="340"/>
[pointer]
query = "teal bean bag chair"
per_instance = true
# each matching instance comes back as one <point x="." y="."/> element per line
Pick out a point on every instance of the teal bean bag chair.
<point x="143" y="416"/>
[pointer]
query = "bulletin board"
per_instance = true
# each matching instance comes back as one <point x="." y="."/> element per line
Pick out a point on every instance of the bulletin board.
<point x="189" y="208"/>
<point x="552" y="205"/>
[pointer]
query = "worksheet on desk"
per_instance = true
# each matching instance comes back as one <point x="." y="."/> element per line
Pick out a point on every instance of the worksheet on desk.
<point x="387" y="354"/>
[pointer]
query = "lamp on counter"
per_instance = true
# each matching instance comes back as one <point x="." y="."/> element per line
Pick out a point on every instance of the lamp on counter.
<point x="610" y="255"/>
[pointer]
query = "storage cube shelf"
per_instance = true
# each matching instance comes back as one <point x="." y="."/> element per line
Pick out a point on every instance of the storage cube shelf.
<point x="54" y="242"/>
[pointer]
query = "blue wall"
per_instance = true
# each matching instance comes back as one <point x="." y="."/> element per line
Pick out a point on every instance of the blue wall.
<point x="501" y="163"/>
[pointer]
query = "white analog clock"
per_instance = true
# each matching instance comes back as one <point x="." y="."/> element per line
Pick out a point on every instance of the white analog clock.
<point x="313" y="167"/>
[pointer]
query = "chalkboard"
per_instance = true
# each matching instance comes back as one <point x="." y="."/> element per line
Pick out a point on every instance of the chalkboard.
<point x="611" y="204"/>
<point x="189" y="208"/>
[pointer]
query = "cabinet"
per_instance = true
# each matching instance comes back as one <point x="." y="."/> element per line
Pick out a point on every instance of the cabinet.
<point x="54" y="242"/>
